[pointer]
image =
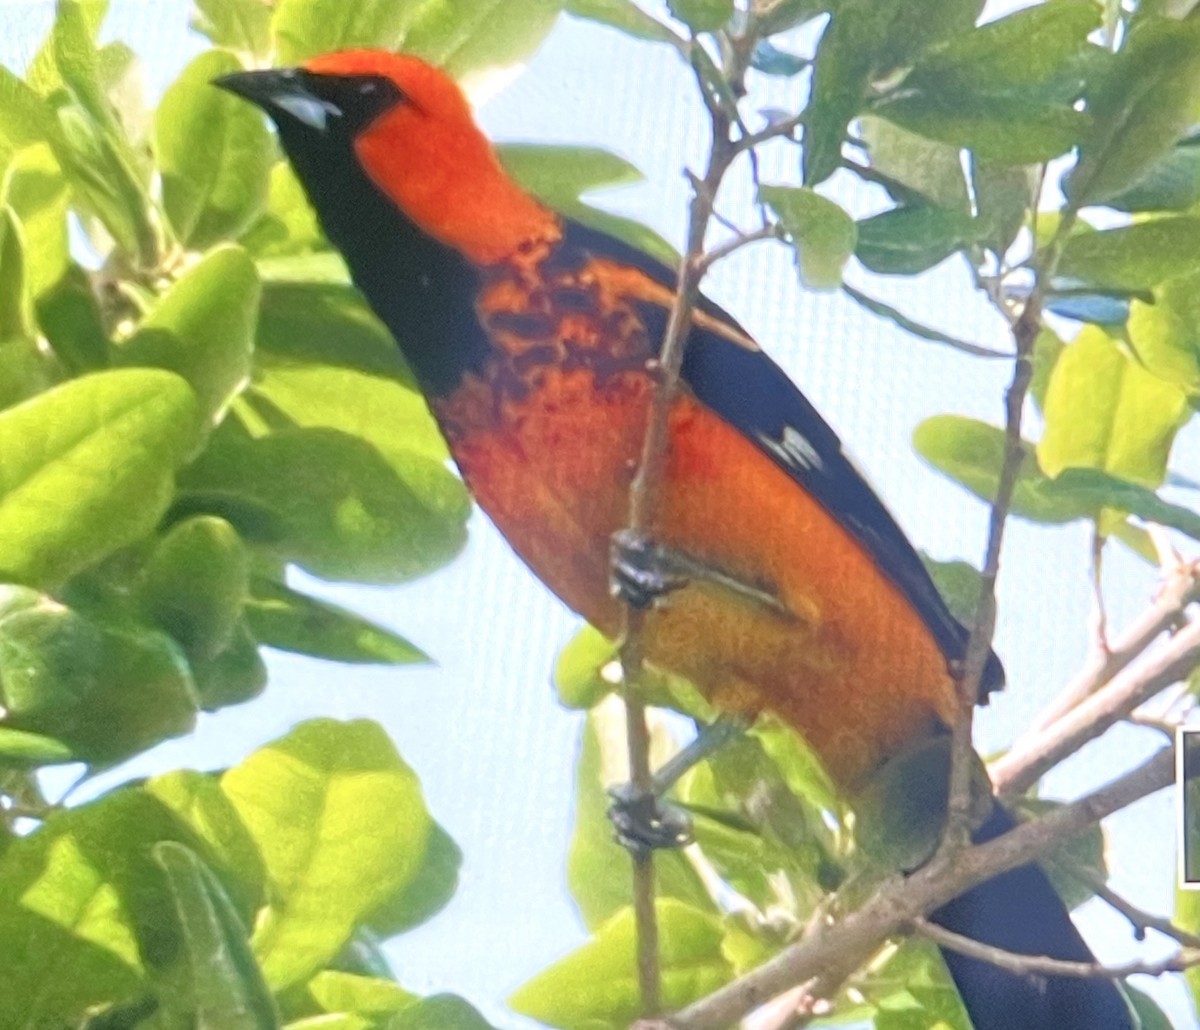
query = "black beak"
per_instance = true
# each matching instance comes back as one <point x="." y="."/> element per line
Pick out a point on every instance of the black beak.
<point x="283" y="93"/>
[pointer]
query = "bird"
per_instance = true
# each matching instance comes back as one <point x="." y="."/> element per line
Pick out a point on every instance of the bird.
<point x="534" y="339"/>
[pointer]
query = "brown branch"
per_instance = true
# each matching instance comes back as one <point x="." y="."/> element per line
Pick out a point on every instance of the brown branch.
<point x="958" y="821"/>
<point x="832" y="951"/>
<point x="1141" y="920"/>
<point x="771" y="231"/>
<point x="1035" y="753"/>
<point x="645" y="502"/>
<point x="1037" y="966"/>
<point x="1180" y="589"/>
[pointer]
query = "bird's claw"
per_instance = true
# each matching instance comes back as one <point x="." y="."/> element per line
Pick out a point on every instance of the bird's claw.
<point x="642" y="573"/>
<point x="644" y="824"/>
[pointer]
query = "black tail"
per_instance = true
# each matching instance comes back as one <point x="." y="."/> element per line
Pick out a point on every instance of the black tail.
<point x="1020" y="911"/>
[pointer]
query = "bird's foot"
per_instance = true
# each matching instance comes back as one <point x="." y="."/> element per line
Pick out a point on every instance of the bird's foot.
<point x="643" y="823"/>
<point x="643" y="573"/>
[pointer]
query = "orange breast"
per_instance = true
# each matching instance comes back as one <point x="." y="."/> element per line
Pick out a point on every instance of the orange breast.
<point x="851" y="665"/>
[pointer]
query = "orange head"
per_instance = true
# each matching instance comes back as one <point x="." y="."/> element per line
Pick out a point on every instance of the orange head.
<point x="411" y="131"/>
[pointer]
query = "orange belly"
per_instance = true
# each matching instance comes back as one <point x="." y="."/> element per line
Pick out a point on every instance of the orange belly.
<point x="850" y="664"/>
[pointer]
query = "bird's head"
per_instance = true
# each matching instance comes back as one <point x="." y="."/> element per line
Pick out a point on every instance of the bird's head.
<point x="411" y="130"/>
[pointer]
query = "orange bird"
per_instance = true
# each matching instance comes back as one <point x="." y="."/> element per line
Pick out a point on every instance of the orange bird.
<point x="530" y="336"/>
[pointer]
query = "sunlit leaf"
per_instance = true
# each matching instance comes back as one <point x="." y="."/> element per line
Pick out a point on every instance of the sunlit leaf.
<point x="305" y="799"/>
<point x="702" y="15"/>
<point x="203" y="328"/>
<point x="1135" y="257"/>
<point x="821" y="232"/>
<point x="1103" y="410"/>
<point x="87" y="467"/>
<point x="1165" y="335"/>
<point x="215" y="154"/>
<point x="621" y="14"/>
<point x="1143" y="105"/>
<point x="215" y="980"/>
<point x="908" y="240"/>
<point x="291" y="621"/>
<point x="333" y="503"/>
<point x="596" y="986"/>
<point x="242" y="25"/>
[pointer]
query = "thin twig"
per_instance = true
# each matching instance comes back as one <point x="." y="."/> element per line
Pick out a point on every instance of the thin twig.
<point x="1025" y="332"/>
<point x="1139" y="918"/>
<point x="1166" y="611"/>
<point x="883" y="310"/>
<point x="645" y="502"/>
<point x="1034" y="754"/>
<point x="832" y="951"/>
<point x="1038" y="966"/>
<point x="773" y="231"/>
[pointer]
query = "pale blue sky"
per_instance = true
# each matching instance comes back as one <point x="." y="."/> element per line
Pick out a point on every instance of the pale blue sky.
<point x="482" y="729"/>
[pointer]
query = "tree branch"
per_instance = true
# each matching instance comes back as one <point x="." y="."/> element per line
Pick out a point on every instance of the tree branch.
<point x="1166" y="612"/>
<point x="830" y="952"/>
<point x="1035" y="753"/>
<point x="1038" y="966"/>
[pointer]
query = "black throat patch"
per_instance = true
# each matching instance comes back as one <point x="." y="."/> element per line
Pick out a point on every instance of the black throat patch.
<point x="421" y="289"/>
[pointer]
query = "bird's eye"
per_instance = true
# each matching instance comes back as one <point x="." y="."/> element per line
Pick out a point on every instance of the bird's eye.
<point x="368" y="88"/>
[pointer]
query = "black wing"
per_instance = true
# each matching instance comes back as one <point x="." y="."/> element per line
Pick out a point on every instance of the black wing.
<point x="748" y="390"/>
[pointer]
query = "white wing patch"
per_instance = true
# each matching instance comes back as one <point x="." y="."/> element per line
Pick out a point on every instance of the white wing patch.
<point x="794" y="449"/>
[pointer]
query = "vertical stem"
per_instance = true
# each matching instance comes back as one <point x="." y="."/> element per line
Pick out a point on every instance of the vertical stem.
<point x="644" y="504"/>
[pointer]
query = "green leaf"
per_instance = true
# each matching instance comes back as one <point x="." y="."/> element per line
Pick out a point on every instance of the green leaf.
<point x="194" y="585"/>
<point x="597" y="877"/>
<point x="1004" y="129"/>
<point x="596" y="986"/>
<point x="1030" y="47"/>
<point x="36" y="191"/>
<point x="1172" y="183"/>
<point x="99" y="475"/>
<point x="464" y="37"/>
<point x="958" y="582"/>
<point x="427" y="893"/>
<point x="701" y="15"/>
<point x="1092" y="491"/>
<point x="1150" y="1016"/>
<point x="1073" y="865"/>
<point x="21" y="750"/>
<point x="203" y="328"/>
<point x="911" y="990"/>
<point x="1141" y="108"/>
<point x="103" y="690"/>
<point x="558" y="176"/>
<point x="1104" y="411"/>
<point x="908" y="240"/>
<point x="864" y="40"/>
<point x="1165" y="335"/>
<point x="325" y="361"/>
<point x="84" y="909"/>
<point x="234" y="675"/>
<point x="335" y="505"/>
<point x="1047" y="349"/>
<point x="286" y="619"/>
<point x="821" y="233"/>
<point x="972" y="453"/>
<point x="335" y="991"/>
<point x="199" y="804"/>
<point x="25" y="118"/>
<point x="621" y="14"/>
<point x="1004" y="197"/>
<point x="1136" y="257"/>
<point x="787" y="14"/>
<point x="288" y="225"/>
<point x="215" y="154"/>
<point x="16" y="311"/>
<point x="459" y="36"/>
<point x="340" y="822"/>
<point x="440" y="1012"/>
<point x="241" y="25"/>
<point x="931" y="170"/>
<point x="72" y="322"/>
<point x="215" y="982"/>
